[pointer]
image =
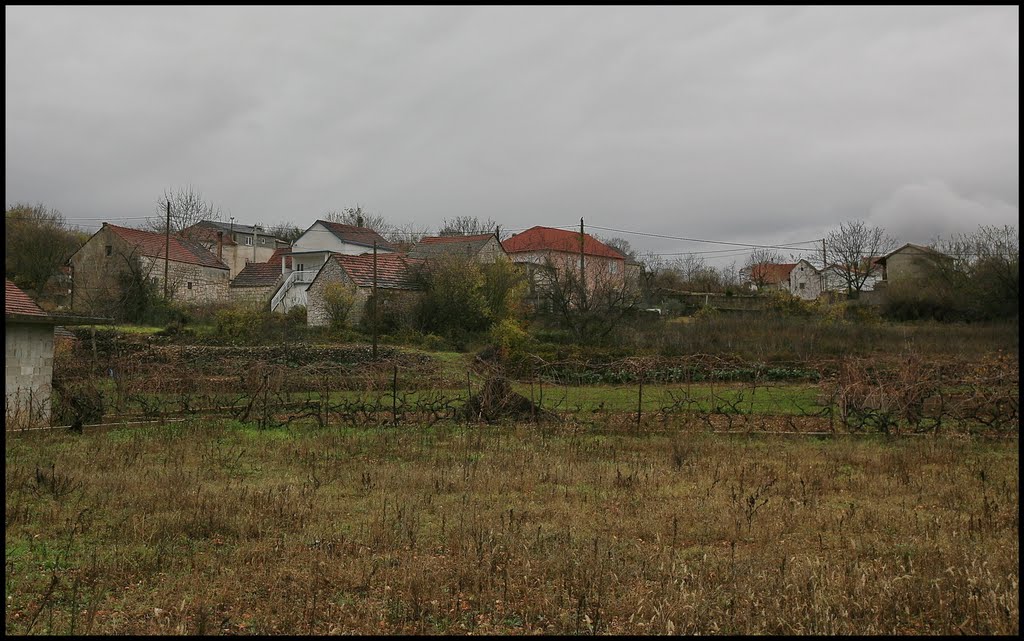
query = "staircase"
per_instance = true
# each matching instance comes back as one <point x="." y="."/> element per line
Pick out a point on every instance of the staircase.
<point x="294" y="278"/>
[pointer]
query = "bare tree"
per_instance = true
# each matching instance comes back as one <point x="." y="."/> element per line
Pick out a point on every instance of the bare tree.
<point x="589" y="306"/>
<point x="853" y="248"/>
<point x="756" y="274"/>
<point x="466" y="226"/>
<point x="620" y="245"/>
<point x="980" y="269"/>
<point x="359" y="217"/>
<point x="286" y="231"/>
<point x="188" y="207"/>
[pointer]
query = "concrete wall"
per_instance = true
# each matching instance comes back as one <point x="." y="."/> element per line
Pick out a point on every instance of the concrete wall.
<point x="28" y="366"/>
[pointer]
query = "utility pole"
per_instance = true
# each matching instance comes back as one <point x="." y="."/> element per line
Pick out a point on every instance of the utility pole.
<point x="373" y="309"/>
<point x="167" y="247"/>
<point x="583" y="273"/>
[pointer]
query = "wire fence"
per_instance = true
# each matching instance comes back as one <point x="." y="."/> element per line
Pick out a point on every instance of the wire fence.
<point x="277" y="387"/>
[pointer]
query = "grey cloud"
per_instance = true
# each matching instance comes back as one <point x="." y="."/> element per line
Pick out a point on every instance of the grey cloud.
<point x="750" y="124"/>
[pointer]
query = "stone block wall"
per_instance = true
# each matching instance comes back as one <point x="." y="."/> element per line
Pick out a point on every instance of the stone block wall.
<point x="28" y="368"/>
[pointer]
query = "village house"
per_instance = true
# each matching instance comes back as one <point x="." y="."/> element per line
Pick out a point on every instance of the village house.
<point x="310" y="252"/>
<point x="396" y="286"/>
<point x="555" y="253"/>
<point x="194" y="275"/>
<point x="805" y="280"/>
<point x="235" y="244"/>
<point x="909" y="264"/>
<point x="767" y="276"/>
<point x="482" y="248"/>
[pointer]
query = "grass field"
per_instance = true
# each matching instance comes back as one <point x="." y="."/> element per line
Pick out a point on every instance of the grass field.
<point x="223" y="528"/>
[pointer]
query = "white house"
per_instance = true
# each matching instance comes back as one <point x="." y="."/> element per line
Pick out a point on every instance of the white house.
<point x="312" y="249"/>
<point x="805" y="280"/>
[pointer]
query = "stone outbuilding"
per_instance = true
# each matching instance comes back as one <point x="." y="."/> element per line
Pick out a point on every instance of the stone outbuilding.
<point x="482" y="248"/>
<point x="396" y="285"/>
<point x="28" y="358"/>
<point x="194" y="275"/>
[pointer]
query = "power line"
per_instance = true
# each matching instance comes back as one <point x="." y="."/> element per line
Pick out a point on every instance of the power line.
<point x="716" y="242"/>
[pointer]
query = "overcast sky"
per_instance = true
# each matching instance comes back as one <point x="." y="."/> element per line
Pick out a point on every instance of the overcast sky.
<point x="752" y="125"/>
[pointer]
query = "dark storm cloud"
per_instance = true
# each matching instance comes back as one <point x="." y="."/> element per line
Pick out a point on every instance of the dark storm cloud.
<point x="743" y="124"/>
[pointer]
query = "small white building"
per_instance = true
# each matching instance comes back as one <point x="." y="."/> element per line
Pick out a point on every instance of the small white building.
<point x="805" y="281"/>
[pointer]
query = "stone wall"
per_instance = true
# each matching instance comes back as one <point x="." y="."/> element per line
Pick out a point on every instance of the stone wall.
<point x="28" y="366"/>
<point x="252" y="294"/>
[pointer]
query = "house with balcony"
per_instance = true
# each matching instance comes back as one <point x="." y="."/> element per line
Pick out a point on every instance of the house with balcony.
<point x="311" y="251"/>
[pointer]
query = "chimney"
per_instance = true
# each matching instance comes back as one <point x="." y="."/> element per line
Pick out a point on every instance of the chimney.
<point x="220" y="245"/>
<point x="359" y="221"/>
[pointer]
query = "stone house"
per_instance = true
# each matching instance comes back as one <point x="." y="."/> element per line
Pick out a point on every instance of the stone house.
<point x="909" y="264"/>
<point x="559" y="249"/>
<point x="235" y="244"/>
<point x="310" y="252"/>
<point x="195" y="275"/>
<point x="483" y="248"/>
<point x="396" y="285"/>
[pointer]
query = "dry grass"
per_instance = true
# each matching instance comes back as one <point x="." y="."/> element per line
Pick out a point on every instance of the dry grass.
<point x="515" y="529"/>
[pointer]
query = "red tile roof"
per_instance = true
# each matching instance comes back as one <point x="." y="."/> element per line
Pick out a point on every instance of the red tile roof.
<point x="771" y="273"/>
<point x="393" y="270"/>
<point x="18" y="302"/>
<point x="182" y="250"/>
<point x="356" y="235"/>
<point x="551" y="239"/>
<point x="276" y="257"/>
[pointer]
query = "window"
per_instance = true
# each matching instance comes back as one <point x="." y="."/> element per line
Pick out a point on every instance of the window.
<point x="190" y="284"/>
<point x="110" y="250"/>
<point x="248" y="240"/>
<point x="802" y="285"/>
<point x="613" y="267"/>
<point x="263" y="241"/>
<point x="154" y="280"/>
